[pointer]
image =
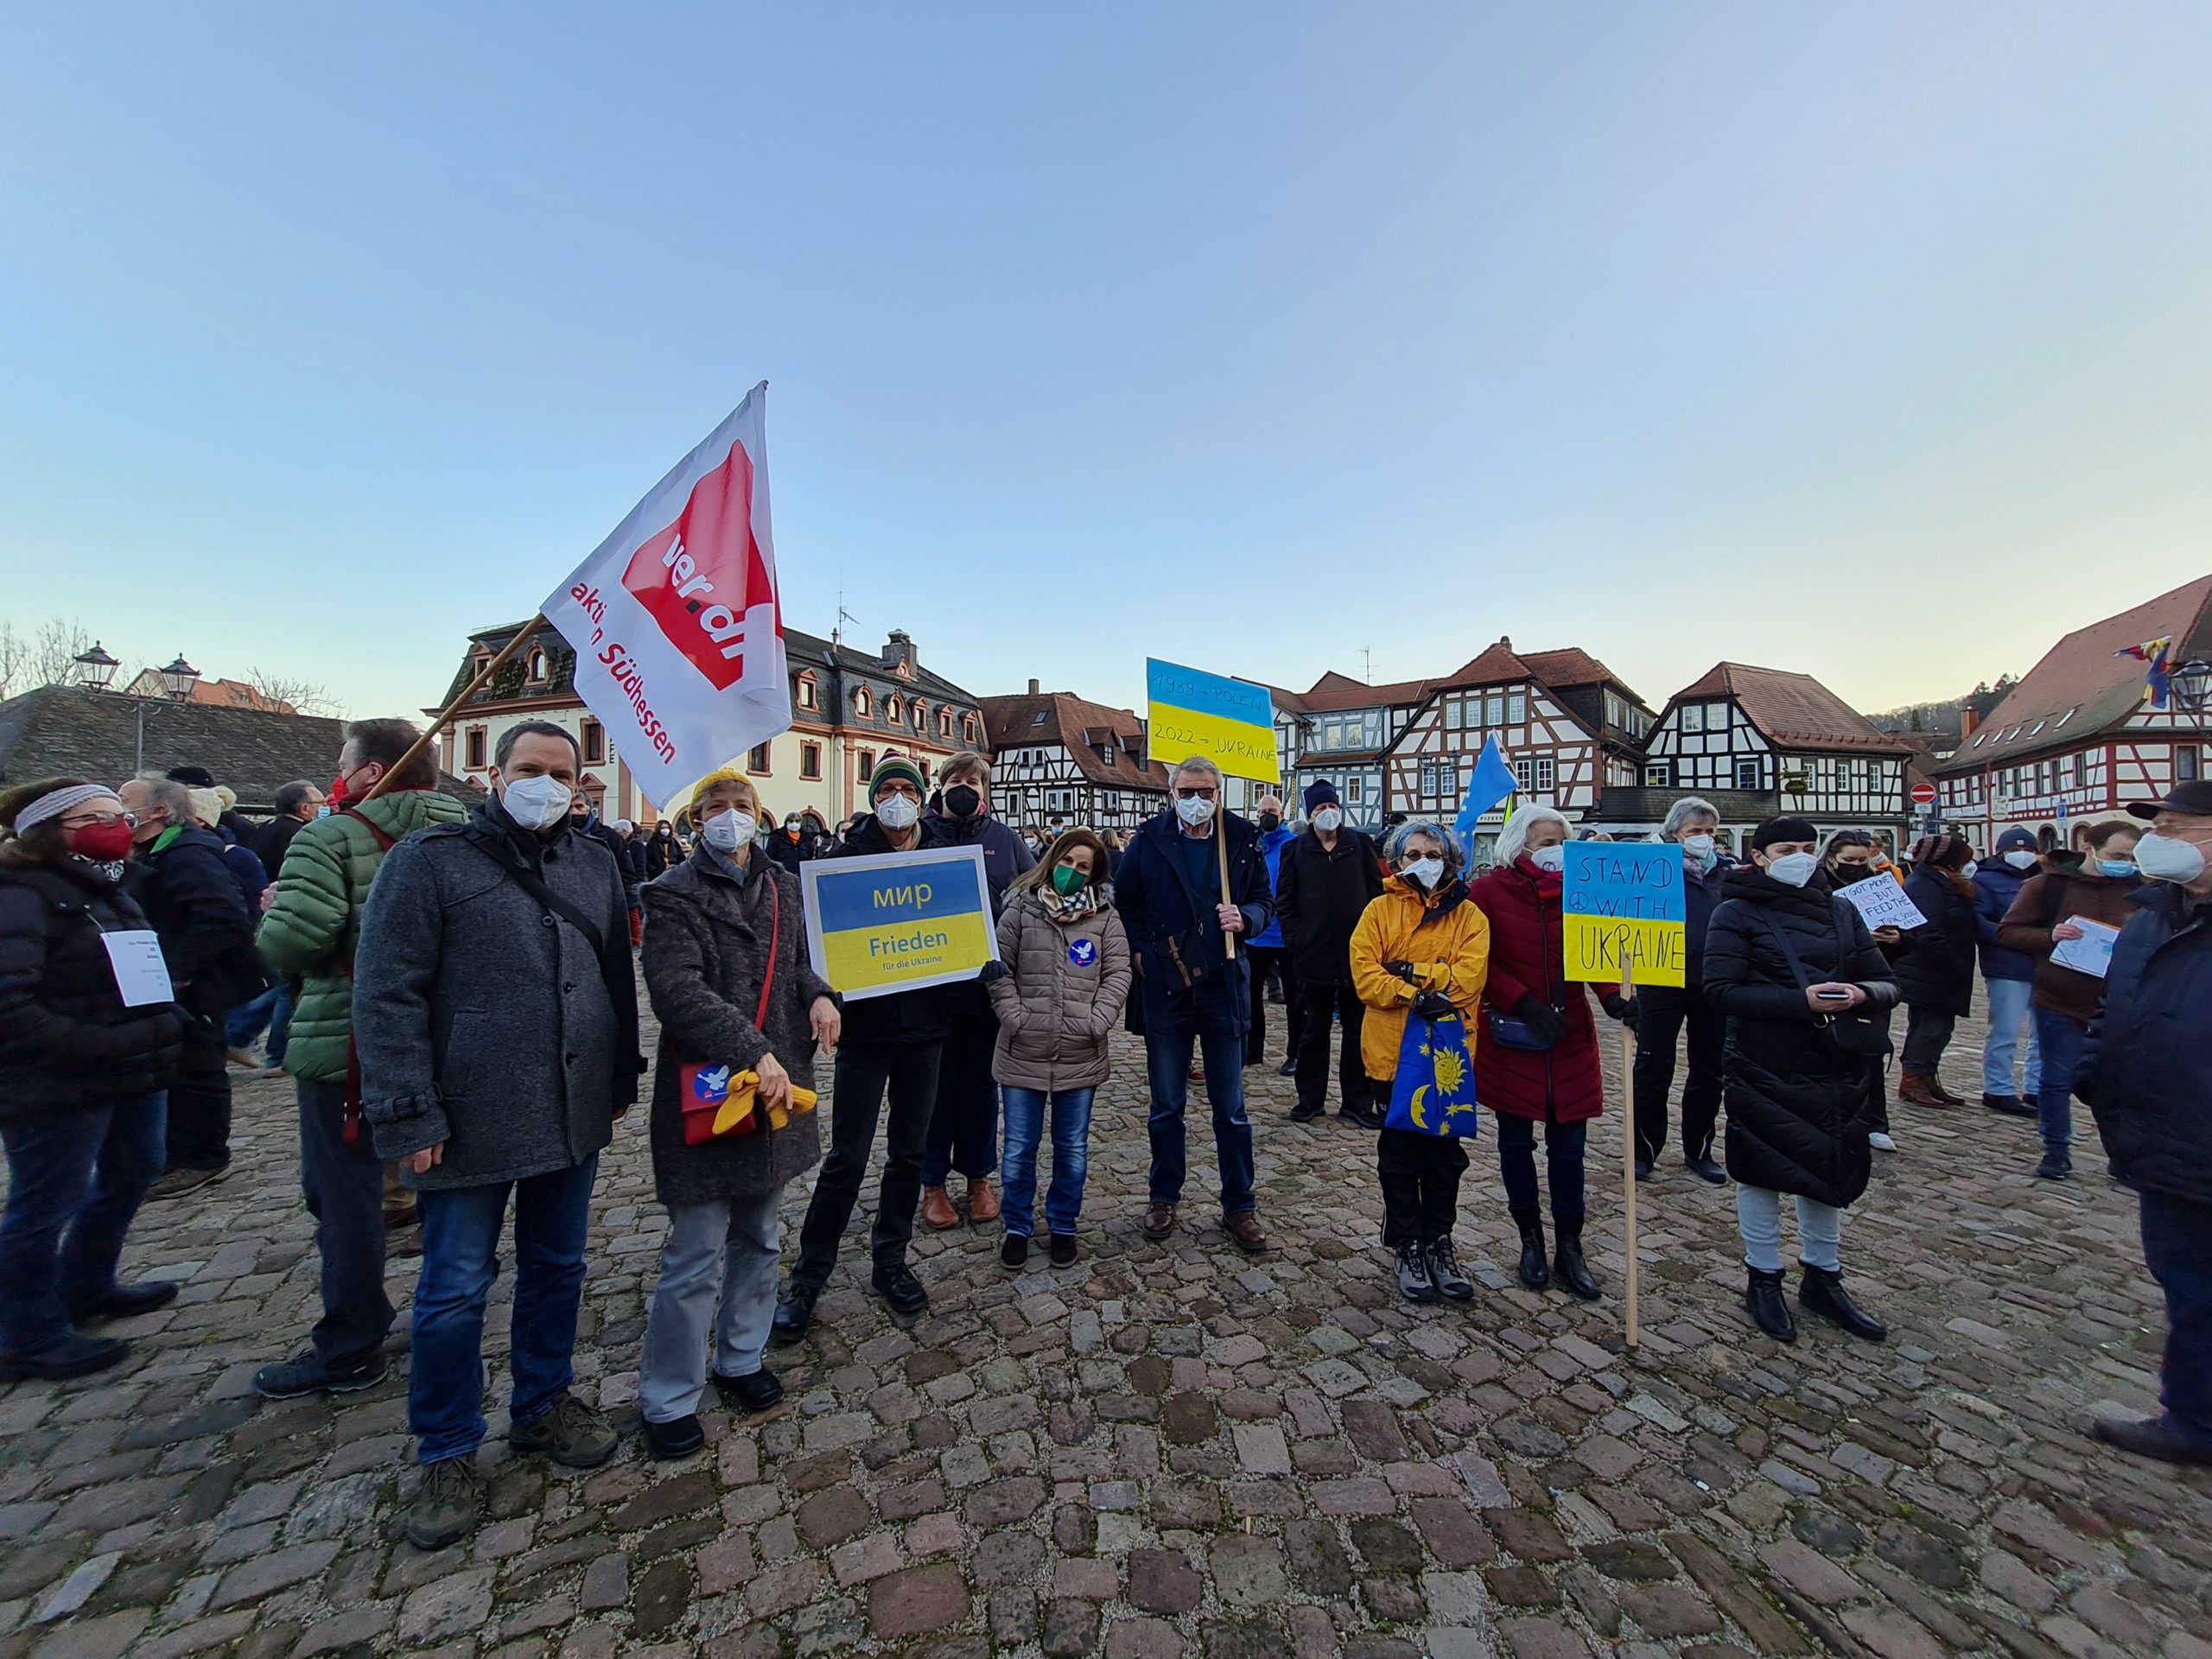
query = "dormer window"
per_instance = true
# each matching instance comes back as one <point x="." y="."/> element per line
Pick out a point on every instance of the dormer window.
<point x="806" y="691"/>
<point x="891" y="709"/>
<point x="537" y="666"/>
<point x="863" y="702"/>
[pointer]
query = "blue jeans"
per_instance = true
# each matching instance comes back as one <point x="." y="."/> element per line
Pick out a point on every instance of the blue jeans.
<point x="2177" y="1249"/>
<point x="714" y="1298"/>
<point x="1025" y="1127"/>
<point x="2009" y="1011"/>
<point x="461" y="1239"/>
<point x="1758" y="1217"/>
<point x="74" y="1181"/>
<point x="273" y="1008"/>
<point x="2062" y="1039"/>
<point x="1168" y="1059"/>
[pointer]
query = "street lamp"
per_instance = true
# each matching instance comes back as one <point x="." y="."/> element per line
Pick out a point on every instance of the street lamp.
<point x="95" y="669"/>
<point x="2192" y="685"/>
<point x="179" y="678"/>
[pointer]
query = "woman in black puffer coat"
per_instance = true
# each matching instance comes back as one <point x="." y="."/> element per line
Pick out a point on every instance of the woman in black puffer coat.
<point x="1936" y="982"/>
<point x="1798" y="1103"/>
<point x="81" y="1075"/>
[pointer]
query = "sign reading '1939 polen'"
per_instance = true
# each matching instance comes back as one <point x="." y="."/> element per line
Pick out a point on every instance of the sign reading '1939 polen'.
<point x="1622" y="904"/>
<point x="899" y="921"/>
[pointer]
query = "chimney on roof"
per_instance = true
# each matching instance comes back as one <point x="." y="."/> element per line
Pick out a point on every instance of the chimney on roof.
<point x="899" y="651"/>
<point x="1505" y="639"/>
<point x="1033" y="687"/>
<point x="1969" y="722"/>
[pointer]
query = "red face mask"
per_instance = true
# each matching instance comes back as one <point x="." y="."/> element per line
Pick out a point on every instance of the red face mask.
<point x="336" y="793"/>
<point x="105" y="843"/>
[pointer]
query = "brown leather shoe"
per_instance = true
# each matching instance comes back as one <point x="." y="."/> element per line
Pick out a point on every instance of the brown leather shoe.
<point x="1935" y="1086"/>
<point x="1916" y="1090"/>
<point x="982" y="1203"/>
<point x="1160" y="1221"/>
<point x="938" y="1210"/>
<point x="1243" y="1229"/>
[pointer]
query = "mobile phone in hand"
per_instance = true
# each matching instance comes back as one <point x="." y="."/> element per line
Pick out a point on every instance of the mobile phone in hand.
<point x="1833" y="996"/>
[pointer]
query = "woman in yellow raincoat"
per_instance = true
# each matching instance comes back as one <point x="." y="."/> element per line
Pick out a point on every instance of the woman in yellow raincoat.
<point x="1419" y="948"/>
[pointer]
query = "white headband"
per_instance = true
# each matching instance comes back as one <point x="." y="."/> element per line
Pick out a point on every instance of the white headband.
<point x="53" y="806"/>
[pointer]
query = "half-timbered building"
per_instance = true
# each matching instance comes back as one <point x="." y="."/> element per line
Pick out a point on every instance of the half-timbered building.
<point x="1758" y="742"/>
<point x="2076" y="739"/>
<point x="1340" y="730"/>
<point x="1058" y="758"/>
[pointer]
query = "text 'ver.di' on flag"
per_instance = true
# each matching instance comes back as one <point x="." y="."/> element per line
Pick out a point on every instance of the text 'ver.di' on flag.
<point x="674" y="619"/>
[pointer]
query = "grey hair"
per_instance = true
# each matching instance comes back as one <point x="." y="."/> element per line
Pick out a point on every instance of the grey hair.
<point x="167" y="796"/>
<point x="1200" y="763"/>
<point x="288" y="797"/>
<point x="1513" y="840"/>
<point x="1690" y="806"/>
<point x="1393" y="845"/>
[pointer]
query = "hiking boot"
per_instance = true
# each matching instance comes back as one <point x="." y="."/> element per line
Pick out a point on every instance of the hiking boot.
<point x="1243" y="1230"/>
<point x="1414" y="1282"/>
<point x="1064" y="1249"/>
<point x="1821" y="1291"/>
<point x="902" y="1292"/>
<point x="174" y="1183"/>
<point x="1013" y="1251"/>
<point x="937" y="1213"/>
<point x="794" y="1312"/>
<point x="1366" y="1116"/>
<point x="447" y="1503"/>
<point x="1918" y="1089"/>
<point x="74" y="1355"/>
<point x="670" y="1440"/>
<point x="1570" y="1269"/>
<point x="289" y="1379"/>
<point x="121" y="1301"/>
<point x="2010" y="1105"/>
<point x="753" y="1392"/>
<point x="2056" y="1166"/>
<point x="1444" y="1270"/>
<point x="1535" y="1272"/>
<point x="1158" y="1221"/>
<point x="982" y="1203"/>
<point x="572" y="1435"/>
<point x="1763" y="1298"/>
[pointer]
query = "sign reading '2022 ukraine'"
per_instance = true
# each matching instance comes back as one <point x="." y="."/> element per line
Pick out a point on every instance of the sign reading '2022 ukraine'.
<point x="899" y="921"/>
<point x="1624" y="905"/>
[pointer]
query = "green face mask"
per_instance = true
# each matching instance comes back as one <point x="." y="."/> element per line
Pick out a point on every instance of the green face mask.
<point x="1069" y="881"/>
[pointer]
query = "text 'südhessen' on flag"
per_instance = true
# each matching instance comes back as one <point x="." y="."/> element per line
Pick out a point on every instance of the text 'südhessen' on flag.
<point x="677" y="628"/>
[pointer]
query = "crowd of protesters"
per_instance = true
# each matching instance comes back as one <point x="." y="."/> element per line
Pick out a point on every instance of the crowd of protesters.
<point x="454" y="991"/>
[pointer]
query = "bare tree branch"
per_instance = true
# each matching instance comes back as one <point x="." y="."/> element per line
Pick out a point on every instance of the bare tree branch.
<point x="53" y="651"/>
<point x="15" y="659"/>
<point x="307" y="696"/>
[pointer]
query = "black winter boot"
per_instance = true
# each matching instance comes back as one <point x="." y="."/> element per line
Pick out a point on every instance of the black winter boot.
<point x="1821" y="1291"/>
<point x="1414" y="1282"/>
<point x="1768" y="1311"/>
<point x="1568" y="1266"/>
<point x="1534" y="1273"/>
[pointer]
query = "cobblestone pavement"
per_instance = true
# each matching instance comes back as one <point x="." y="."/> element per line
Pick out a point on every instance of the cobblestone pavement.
<point x="1172" y="1450"/>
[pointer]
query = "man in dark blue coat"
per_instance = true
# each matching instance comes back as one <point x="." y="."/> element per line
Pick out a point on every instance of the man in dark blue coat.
<point x="1169" y="891"/>
<point x="2148" y="1075"/>
<point x="2010" y="977"/>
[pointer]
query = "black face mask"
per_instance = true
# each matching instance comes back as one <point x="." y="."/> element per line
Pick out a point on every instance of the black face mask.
<point x="964" y="801"/>
<point x="1844" y="874"/>
<point x="1270" y="820"/>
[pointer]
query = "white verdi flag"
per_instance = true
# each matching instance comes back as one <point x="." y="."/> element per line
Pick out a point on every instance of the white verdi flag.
<point x="674" y="618"/>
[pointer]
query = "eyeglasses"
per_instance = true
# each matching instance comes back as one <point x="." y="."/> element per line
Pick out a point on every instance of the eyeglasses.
<point x="84" y="820"/>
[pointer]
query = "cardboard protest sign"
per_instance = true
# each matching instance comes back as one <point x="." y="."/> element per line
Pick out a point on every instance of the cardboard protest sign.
<point x="1623" y="909"/>
<point x="899" y="921"/>
<point x="1883" y="903"/>
<point x="1230" y="722"/>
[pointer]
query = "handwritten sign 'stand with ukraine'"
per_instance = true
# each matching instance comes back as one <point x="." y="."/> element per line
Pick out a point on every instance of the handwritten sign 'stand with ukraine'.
<point x="899" y="921"/>
<point x="1230" y="722"/>
<point x="1623" y="904"/>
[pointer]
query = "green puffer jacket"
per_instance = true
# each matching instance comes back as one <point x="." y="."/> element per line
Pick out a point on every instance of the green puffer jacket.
<point x="309" y="932"/>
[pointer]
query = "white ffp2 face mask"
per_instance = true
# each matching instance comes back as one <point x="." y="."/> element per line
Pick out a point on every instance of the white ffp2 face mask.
<point x="2169" y="858"/>
<point x="1550" y="860"/>
<point x="1327" y="819"/>
<point x="728" y="831"/>
<point x="1194" y="810"/>
<point x="1427" y="871"/>
<point x="1698" y="846"/>
<point x="1793" y="870"/>
<point x="2020" y="859"/>
<point x="538" y="803"/>
<point x="898" y="812"/>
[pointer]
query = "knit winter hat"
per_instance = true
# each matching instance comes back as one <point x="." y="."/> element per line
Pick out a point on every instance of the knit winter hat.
<point x="891" y="768"/>
<point x="1940" y="852"/>
<point x="1320" y="792"/>
<point x="2016" y="841"/>
<point x="1775" y="830"/>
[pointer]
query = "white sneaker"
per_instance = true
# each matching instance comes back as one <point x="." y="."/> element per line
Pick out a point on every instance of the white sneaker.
<point x="1881" y="1142"/>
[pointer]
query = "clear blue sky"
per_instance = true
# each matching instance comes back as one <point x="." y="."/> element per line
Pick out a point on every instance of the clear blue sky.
<point x="1872" y="340"/>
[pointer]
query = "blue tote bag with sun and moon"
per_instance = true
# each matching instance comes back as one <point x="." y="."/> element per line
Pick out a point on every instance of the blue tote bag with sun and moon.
<point x="1434" y="1090"/>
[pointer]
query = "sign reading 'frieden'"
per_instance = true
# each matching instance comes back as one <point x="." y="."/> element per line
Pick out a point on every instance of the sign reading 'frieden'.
<point x="1624" y="908"/>
<point x="899" y="921"/>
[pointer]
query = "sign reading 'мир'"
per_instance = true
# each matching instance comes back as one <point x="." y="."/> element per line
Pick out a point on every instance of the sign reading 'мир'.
<point x="1623" y="903"/>
<point x="1230" y="722"/>
<point x="898" y="921"/>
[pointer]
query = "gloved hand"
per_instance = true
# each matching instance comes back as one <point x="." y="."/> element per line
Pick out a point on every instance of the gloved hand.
<point x="1403" y="969"/>
<point x="1434" y="1005"/>
<point x="994" y="971"/>
<point x="1620" y="1007"/>
<point x="1544" y="1021"/>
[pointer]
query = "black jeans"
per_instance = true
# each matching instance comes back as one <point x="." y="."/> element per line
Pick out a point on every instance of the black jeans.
<point x="2177" y="1249"/>
<point x="1664" y="1013"/>
<point x="864" y="1071"/>
<point x="199" y="1100"/>
<point x="345" y="1193"/>
<point x="1516" y="1157"/>
<point x="1926" y="1034"/>
<point x="1419" y="1177"/>
<point x="1318" y="1000"/>
<point x="1271" y="960"/>
<point x="964" y="1123"/>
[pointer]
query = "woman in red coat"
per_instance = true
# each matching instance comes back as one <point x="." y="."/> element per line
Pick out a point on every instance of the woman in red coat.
<point x="1537" y="1062"/>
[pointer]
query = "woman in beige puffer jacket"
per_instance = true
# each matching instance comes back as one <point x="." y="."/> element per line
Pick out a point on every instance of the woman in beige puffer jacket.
<point x="1068" y="963"/>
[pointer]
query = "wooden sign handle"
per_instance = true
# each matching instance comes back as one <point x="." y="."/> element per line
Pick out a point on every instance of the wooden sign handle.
<point x="1221" y="854"/>
<point x="528" y="631"/>
<point x="1628" y="1138"/>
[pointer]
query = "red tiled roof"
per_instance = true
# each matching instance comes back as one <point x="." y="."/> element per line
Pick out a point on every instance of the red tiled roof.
<point x="1793" y="709"/>
<point x="1495" y="665"/>
<point x="1072" y="722"/>
<point x="1571" y="666"/>
<point x="1334" y="691"/>
<point x="2080" y="677"/>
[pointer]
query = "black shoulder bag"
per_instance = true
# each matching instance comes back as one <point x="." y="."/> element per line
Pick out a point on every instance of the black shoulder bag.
<point x="496" y="848"/>
<point x="1853" y="1031"/>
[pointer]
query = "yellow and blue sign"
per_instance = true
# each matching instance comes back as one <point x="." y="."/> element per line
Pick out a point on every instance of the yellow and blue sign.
<point x="899" y="921"/>
<point x="1623" y="904"/>
<point x="1230" y="722"/>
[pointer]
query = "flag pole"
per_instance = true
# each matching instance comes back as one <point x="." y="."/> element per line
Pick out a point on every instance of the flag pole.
<point x="1628" y="1136"/>
<point x="1220" y="851"/>
<point x="528" y="631"/>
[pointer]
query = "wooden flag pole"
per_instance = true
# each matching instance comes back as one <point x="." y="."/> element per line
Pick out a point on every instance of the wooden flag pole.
<point x="1628" y="1134"/>
<point x="1221" y="855"/>
<point x="528" y="631"/>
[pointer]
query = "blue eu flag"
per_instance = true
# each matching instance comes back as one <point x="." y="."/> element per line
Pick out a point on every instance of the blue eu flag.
<point x="1492" y="782"/>
<point x="1434" y="1090"/>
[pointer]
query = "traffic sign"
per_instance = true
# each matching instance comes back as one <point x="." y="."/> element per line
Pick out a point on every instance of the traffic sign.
<point x="1923" y="794"/>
